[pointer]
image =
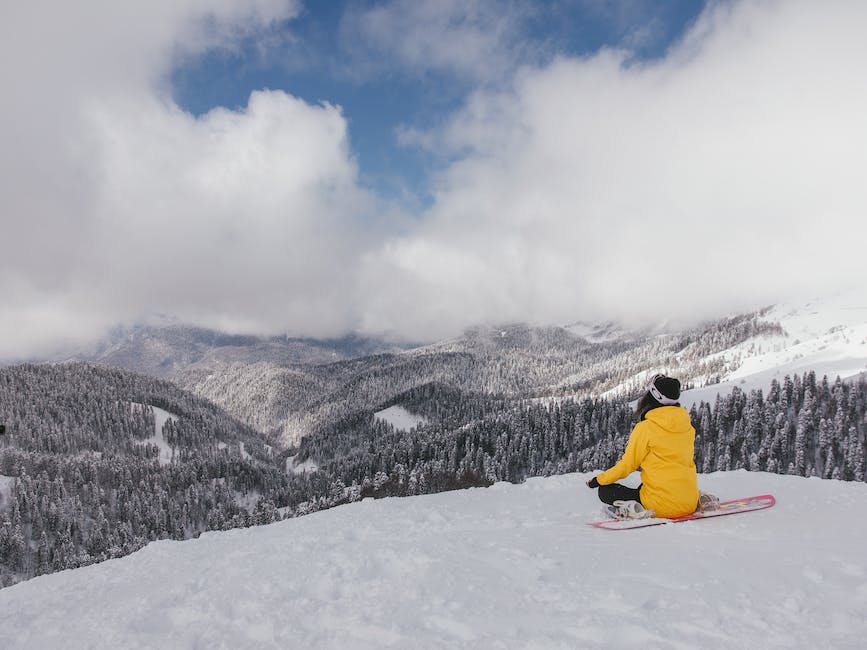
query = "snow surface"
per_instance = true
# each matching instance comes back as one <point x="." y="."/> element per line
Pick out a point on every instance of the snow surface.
<point x="160" y="419"/>
<point x="166" y="451"/>
<point x="511" y="566"/>
<point x="828" y="337"/>
<point x="293" y="467"/>
<point x="6" y="483"/>
<point x="400" y="418"/>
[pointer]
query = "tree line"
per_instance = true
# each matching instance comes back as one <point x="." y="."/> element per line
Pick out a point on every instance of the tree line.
<point x="802" y="426"/>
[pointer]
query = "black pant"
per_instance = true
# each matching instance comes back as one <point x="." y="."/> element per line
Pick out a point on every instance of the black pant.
<point x="616" y="492"/>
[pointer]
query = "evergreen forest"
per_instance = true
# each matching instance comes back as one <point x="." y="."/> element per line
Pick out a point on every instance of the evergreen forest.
<point x="84" y="475"/>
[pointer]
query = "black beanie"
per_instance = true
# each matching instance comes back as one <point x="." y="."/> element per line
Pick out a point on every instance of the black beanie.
<point x="668" y="386"/>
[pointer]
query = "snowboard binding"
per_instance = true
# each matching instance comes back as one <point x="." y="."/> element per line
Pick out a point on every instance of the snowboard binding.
<point x="629" y="510"/>
<point x="707" y="502"/>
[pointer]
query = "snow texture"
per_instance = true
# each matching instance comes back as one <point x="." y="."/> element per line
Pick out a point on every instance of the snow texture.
<point x="160" y="419"/>
<point x="6" y="483"/>
<point x="400" y="418"/>
<point x="511" y="566"/>
<point x="828" y="337"/>
<point x="306" y="467"/>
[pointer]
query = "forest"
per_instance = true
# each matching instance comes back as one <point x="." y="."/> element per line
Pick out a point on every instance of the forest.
<point x="803" y="426"/>
<point x="82" y="479"/>
<point x="292" y="401"/>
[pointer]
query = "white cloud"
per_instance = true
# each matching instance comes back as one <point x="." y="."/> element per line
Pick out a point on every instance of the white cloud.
<point x="117" y="204"/>
<point x="472" y="40"/>
<point x="248" y="219"/>
<point x="728" y="175"/>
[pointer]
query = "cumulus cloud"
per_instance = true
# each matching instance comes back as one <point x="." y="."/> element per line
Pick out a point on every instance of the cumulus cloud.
<point x="246" y="220"/>
<point x="117" y="204"/>
<point x="725" y="176"/>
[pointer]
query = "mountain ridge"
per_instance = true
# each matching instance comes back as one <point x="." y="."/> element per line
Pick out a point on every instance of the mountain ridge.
<point x="289" y="388"/>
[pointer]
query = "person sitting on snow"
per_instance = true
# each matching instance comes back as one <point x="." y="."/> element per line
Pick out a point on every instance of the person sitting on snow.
<point x="662" y="446"/>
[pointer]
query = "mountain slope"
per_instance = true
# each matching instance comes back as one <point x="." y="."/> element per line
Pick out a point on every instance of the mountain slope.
<point x="512" y="566"/>
<point x="96" y="462"/>
<point x="291" y="388"/>
<point x="828" y="337"/>
<point x="165" y="351"/>
<point x="517" y="361"/>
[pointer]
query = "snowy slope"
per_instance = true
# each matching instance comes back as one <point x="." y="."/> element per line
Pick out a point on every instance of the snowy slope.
<point x="400" y="418"/>
<point x="828" y="337"/>
<point x="504" y="567"/>
<point x="160" y="418"/>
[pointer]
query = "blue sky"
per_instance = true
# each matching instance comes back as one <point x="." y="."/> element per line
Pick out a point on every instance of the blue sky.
<point x="410" y="169"/>
<point x="320" y="56"/>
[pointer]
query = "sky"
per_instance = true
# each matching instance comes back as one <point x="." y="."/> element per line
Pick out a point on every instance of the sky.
<point x="407" y="169"/>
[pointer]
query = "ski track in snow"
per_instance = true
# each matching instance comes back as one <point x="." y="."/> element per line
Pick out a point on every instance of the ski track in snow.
<point x="160" y="418"/>
<point x="6" y="483"/>
<point x="511" y="566"/>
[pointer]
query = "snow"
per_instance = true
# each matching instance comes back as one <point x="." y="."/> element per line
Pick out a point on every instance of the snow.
<point x="400" y="418"/>
<point x="293" y="467"/>
<point x="160" y="419"/>
<point x="827" y="336"/>
<point x="6" y="484"/>
<point x="597" y="333"/>
<point x="166" y="451"/>
<point x="511" y="566"/>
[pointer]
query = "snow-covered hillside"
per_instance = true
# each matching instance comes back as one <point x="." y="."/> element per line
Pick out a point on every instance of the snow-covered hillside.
<point x="289" y="389"/>
<point x="511" y="566"/>
<point x="166" y="453"/>
<point x="828" y="337"/>
<point x="400" y="418"/>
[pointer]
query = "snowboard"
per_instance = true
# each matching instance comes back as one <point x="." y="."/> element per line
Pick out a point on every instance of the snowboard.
<point x="725" y="508"/>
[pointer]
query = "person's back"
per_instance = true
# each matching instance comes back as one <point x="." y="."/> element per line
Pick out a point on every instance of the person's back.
<point x="662" y="445"/>
<point x="669" y="479"/>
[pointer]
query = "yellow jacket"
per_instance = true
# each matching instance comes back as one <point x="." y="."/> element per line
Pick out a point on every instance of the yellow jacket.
<point x="662" y="445"/>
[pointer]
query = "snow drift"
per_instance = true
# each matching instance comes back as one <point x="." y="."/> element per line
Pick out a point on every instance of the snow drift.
<point x="511" y="566"/>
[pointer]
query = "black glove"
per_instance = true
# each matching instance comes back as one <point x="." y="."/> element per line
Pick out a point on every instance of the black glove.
<point x="2" y="429"/>
<point x="593" y="483"/>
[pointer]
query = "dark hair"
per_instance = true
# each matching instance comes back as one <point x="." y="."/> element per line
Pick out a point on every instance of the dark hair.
<point x="645" y="405"/>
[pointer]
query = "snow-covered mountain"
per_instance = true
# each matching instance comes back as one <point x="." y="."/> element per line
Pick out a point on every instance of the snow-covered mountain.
<point x="164" y="351"/>
<point x="828" y="337"/>
<point x="511" y="566"/>
<point x="289" y="388"/>
<point x="97" y="462"/>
